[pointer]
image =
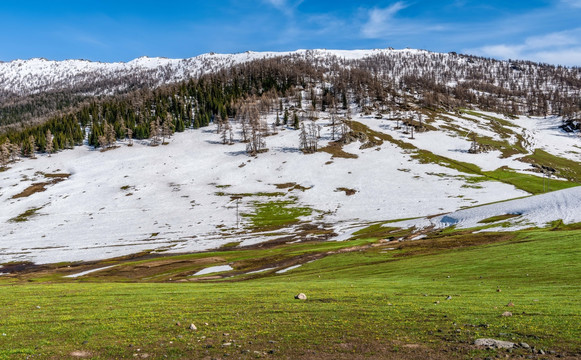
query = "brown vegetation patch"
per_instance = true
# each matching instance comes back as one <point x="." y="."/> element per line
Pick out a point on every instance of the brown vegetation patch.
<point x="57" y="175"/>
<point x="347" y="191"/>
<point x="336" y="149"/>
<point x="32" y="189"/>
<point x="159" y="270"/>
<point x="40" y="187"/>
<point x="431" y="245"/>
<point x="292" y="186"/>
<point x="285" y="185"/>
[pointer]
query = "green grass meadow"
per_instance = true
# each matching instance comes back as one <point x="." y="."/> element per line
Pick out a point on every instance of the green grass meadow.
<point x="383" y="301"/>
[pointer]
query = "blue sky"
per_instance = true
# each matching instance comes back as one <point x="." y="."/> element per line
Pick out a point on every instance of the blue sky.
<point x="104" y="30"/>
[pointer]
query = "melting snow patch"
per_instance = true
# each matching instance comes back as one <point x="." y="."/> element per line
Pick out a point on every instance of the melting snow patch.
<point x="288" y="269"/>
<point x="89" y="271"/>
<point x="259" y="271"/>
<point x="214" y="269"/>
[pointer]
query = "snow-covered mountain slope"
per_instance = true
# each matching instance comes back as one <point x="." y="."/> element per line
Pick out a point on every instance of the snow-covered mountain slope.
<point x="178" y="197"/>
<point x="23" y="77"/>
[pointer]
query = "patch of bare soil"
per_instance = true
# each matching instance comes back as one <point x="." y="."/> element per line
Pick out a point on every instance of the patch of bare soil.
<point x="336" y="149"/>
<point x="41" y="186"/>
<point x="347" y="191"/>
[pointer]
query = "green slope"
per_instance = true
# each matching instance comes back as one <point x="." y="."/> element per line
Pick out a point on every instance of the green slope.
<point x="370" y="303"/>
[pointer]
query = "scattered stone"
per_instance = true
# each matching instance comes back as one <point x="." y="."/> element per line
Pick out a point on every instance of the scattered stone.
<point x="178" y="324"/>
<point x="449" y="297"/>
<point x="541" y="352"/>
<point x="389" y="304"/>
<point x="510" y="304"/>
<point x="81" y="354"/>
<point x="498" y="290"/>
<point x="524" y="345"/>
<point x="507" y="313"/>
<point x="226" y="334"/>
<point x="226" y="344"/>
<point x="301" y="296"/>
<point x="192" y="327"/>
<point x="493" y="343"/>
<point x="271" y="351"/>
<point x="436" y="302"/>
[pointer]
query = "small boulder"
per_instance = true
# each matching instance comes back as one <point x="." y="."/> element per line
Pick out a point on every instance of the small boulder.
<point x="493" y="343"/>
<point x="507" y="313"/>
<point x="192" y="327"/>
<point x="301" y="296"/>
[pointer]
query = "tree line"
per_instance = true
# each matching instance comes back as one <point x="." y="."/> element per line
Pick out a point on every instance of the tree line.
<point x="244" y="93"/>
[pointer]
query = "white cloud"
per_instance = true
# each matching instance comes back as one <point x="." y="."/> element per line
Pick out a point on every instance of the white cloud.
<point x="380" y="21"/>
<point x="562" y="48"/>
<point x="499" y="51"/>
<point x="573" y="3"/>
<point x="285" y="6"/>
<point x="564" y="38"/>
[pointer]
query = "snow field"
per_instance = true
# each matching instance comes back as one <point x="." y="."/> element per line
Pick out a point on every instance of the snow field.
<point x="167" y="198"/>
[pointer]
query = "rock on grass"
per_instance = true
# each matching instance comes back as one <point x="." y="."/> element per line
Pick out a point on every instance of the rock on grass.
<point x="493" y="343"/>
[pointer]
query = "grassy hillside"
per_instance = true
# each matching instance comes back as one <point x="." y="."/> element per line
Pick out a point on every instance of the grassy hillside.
<point x="366" y="299"/>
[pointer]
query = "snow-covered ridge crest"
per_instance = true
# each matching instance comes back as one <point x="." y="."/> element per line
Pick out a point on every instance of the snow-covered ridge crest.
<point x="24" y="77"/>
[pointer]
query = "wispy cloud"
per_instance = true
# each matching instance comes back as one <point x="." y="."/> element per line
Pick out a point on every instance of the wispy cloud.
<point x="573" y="3"/>
<point x="380" y="21"/>
<point x="285" y="6"/>
<point x="562" y="48"/>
